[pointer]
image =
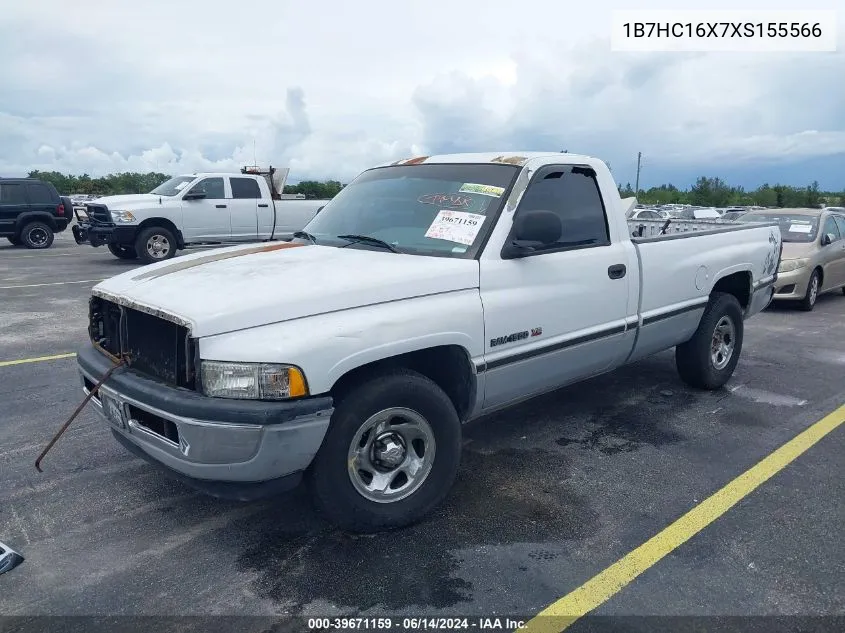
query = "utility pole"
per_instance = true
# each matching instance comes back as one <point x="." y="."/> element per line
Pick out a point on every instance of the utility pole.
<point x="639" y="162"/>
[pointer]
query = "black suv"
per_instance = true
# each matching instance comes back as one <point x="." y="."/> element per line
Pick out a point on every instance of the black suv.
<point x="32" y="212"/>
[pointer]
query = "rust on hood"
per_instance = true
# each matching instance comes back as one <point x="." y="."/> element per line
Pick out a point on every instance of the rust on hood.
<point x="141" y="307"/>
<point x="199" y="261"/>
<point x="510" y="160"/>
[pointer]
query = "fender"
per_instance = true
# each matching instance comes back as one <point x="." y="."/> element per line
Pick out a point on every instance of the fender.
<point x="328" y="346"/>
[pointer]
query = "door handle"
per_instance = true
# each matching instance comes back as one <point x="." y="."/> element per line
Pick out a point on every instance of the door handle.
<point x="263" y="205"/>
<point x="617" y="271"/>
<point x="220" y="206"/>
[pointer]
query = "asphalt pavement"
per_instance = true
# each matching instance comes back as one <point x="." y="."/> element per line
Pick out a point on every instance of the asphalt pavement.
<point x="549" y="494"/>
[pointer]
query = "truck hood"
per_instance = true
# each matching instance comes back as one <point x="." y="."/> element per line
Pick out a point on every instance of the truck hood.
<point x="131" y="201"/>
<point x="227" y="289"/>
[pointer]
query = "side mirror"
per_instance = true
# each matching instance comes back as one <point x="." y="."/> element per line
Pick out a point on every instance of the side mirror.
<point x="194" y="195"/>
<point x="828" y="238"/>
<point x="530" y="230"/>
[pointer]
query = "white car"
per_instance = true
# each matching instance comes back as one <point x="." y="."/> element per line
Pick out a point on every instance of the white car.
<point x="427" y="293"/>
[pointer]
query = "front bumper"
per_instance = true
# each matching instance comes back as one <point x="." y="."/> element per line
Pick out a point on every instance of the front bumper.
<point x="240" y="449"/>
<point x="100" y="234"/>
<point x="792" y="286"/>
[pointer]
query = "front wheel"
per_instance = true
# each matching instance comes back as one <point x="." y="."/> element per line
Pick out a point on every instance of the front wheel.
<point x="390" y="456"/>
<point x="123" y="252"/>
<point x="155" y="244"/>
<point x="709" y="358"/>
<point x="809" y="301"/>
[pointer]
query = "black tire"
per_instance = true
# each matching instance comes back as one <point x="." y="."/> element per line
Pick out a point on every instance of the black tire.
<point x="843" y="290"/>
<point x="811" y="296"/>
<point x="15" y="241"/>
<point x="696" y="365"/>
<point x="37" y="235"/>
<point x="156" y="233"/>
<point x="331" y="479"/>
<point x="123" y="252"/>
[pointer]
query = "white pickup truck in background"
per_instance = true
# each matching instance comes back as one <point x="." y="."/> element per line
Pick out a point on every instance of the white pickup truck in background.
<point x="427" y="293"/>
<point x="205" y="208"/>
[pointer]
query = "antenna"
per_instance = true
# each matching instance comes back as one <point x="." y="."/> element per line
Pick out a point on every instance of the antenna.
<point x="639" y="161"/>
<point x="254" y="160"/>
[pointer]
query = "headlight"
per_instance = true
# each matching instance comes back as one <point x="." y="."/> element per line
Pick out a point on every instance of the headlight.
<point x="254" y="381"/>
<point x="788" y="265"/>
<point x="122" y="216"/>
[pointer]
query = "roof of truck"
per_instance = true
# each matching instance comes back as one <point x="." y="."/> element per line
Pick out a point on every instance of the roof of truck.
<point x="509" y="158"/>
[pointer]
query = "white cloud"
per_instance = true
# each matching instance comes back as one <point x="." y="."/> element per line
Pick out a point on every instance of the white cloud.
<point x="330" y="89"/>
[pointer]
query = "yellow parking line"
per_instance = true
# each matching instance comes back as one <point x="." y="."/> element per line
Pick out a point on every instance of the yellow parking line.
<point x="38" y="359"/>
<point x="599" y="589"/>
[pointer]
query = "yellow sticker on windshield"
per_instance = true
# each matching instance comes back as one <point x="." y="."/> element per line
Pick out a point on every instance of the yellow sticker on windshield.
<point x="484" y="190"/>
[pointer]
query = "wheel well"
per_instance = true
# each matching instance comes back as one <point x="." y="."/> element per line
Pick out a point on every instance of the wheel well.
<point x="166" y="224"/>
<point x="821" y="275"/>
<point x="449" y="366"/>
<point x="23" y="220"/>
<point x="736" y="284"/>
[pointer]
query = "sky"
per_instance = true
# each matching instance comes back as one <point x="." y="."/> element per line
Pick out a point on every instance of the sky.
<point x="332" y="88"/>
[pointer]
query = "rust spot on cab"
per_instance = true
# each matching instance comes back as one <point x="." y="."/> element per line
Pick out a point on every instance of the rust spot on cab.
<point x="509" y="160"/>
<point x="278" y="247"/>
<point x="415" y="161"/>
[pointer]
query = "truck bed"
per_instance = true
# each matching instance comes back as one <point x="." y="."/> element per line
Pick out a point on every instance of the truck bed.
<point x="651" y="228"/>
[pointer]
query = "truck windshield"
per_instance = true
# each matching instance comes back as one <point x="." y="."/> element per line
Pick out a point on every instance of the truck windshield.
<point x="173" y="186"/>
<point x="793" y="227"/>
<point x="438" y="209"/>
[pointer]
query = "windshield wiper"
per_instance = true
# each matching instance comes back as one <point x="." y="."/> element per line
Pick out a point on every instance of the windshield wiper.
<point x="305" y="236"/>
<point x="370" y="240"/>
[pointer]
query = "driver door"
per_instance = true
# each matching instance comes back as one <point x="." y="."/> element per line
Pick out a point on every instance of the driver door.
<point x="208" y="219"/>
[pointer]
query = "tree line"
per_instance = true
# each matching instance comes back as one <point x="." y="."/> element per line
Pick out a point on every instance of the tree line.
<point x="706" y="192"/>
<point x="715" y="192"/>
<point x="135" y="182"/>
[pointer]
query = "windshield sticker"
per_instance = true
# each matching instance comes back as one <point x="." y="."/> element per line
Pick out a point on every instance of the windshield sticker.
<point x="484" y="190"/>
<point x="800" y="228"/>
<point x="453" y="200"/>
<point x="455" y="226"/>
<point x="182" y="185"/>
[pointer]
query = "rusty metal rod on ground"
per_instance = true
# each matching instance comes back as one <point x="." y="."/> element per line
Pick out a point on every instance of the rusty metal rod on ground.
<point x="121" y="363"/>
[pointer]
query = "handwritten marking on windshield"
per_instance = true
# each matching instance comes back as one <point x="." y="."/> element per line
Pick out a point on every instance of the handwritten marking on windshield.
<point x="454" y="200"/>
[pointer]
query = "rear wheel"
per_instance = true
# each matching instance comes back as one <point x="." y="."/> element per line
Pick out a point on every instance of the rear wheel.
<point x="812" y="294"/>
<point x="37" y="235"/>
<point x="390" y="455"/>
<point x="123" y="252"/>
<point x="155" y="244"/>
<point x="709" y="358"/>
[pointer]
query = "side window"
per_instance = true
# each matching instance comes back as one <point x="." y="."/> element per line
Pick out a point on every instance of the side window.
<point x="573" y="194"/>
<point x="840" y="222"/>
<point x="213" y="188"/>
<point x="39" y="194"/>
<point x="244" y="188"/>
<point x="830" y="227"/>
<point x="12" y="194"/>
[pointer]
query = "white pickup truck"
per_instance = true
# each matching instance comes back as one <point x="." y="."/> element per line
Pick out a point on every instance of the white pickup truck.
<point x="204" y="208"/>
<point x="427" y="293"/>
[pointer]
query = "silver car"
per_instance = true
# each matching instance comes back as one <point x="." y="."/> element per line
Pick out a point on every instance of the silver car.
<point x="813" y="259"/>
